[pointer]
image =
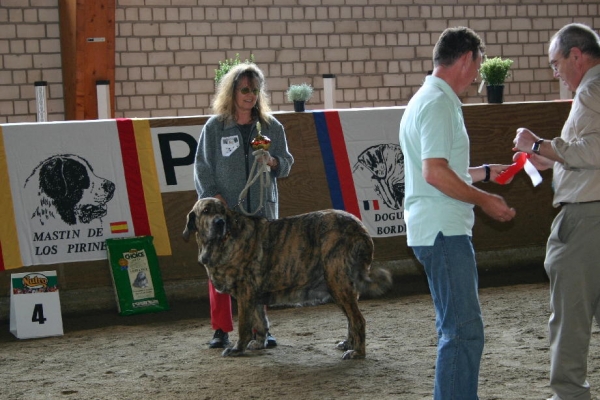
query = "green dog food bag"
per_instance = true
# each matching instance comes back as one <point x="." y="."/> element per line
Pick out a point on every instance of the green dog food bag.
<point x="136" y="275"/>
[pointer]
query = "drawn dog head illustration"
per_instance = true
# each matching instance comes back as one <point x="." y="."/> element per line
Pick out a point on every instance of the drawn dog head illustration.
<point x="141" y="280"/>
<point x="68" y="189"/>
<point x="385" y="162"/>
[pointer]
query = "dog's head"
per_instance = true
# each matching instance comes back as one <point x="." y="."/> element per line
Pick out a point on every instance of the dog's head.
<point x="207" y="219"/>
<point x="68" y="184"/>
<point x="385" y="162"/>
<point x="213" y="224"/>
<point x="141" y="280"/>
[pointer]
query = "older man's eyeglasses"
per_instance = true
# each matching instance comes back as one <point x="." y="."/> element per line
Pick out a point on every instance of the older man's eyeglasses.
<point x="554" y="65"/>
<point x="246" y="90"/>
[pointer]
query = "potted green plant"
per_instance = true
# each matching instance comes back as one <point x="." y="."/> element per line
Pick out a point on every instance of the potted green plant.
<point x="494" y="72"/>
<point x="225" y="66"/>
<point x="299" y="94"/>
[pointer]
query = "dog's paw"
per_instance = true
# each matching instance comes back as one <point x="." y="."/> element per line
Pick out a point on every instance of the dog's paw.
<point x="255" y="345"/>
<point x="343" y="345"/>
<point x="232" y="352"/>
<point x="352" y="355"/>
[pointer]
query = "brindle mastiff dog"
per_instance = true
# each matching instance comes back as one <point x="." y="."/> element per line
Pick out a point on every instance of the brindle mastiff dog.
<point x="305" y="259"/>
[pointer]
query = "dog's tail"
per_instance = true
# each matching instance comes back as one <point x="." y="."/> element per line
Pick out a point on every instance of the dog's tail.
<point x="377" y="282"/>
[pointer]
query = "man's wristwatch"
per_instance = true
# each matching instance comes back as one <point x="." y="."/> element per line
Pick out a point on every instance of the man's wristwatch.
<point x="536" y="146"/>
<point x="487" y="173"/>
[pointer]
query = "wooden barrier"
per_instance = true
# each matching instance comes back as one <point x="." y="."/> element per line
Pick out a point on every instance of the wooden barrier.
<point x="491" y="130"/>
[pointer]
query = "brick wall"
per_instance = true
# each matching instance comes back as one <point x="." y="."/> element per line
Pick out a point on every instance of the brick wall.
<point x="379" y="50"/>
<point x="29" y="52"/>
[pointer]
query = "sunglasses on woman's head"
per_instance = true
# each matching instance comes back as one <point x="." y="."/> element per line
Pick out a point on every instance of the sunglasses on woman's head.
<point x="246" y="90"/>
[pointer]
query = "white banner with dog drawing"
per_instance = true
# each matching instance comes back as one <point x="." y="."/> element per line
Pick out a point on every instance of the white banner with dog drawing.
<point x="85" y="181"/>
<point x="75" y="189"/>
<point x="364" y="165"/>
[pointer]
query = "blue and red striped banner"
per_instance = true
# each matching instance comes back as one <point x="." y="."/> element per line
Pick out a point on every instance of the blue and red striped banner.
<point x="364" y="165"/>
<point x="337" y="164"/>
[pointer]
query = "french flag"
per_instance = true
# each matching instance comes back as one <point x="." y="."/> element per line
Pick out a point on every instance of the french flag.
<point x="370" y="205"/>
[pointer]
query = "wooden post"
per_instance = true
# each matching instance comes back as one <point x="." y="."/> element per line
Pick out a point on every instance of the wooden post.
<point x="87" y="36"/>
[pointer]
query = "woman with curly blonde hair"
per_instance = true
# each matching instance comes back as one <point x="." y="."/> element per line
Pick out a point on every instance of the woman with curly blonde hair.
<point x="224" y="159"/>
<point x="223" y="103"/>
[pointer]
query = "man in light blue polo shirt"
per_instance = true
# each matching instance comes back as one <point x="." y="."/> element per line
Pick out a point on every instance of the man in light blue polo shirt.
<point x="439" y="208"/>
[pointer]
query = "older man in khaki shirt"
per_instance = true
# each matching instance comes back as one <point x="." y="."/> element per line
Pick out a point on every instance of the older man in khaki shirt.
<point x="573" y="249"/>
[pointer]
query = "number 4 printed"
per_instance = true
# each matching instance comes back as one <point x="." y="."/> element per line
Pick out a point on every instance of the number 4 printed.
<point x="38" y="314"/>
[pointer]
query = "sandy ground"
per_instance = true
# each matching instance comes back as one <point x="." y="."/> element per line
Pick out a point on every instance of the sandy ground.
<point x="165" y="355"/>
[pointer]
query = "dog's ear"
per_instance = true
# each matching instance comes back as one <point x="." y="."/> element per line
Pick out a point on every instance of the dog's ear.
<point x="232" y="221"/>
<point x="64" y="179"/>
<point x="190" y="226"/>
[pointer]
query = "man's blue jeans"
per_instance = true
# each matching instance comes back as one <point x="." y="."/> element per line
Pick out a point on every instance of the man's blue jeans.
<point x="452" y="275"/>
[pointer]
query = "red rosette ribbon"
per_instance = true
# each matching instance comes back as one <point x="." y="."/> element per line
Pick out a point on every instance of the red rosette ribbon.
<point x="511" y="171"/>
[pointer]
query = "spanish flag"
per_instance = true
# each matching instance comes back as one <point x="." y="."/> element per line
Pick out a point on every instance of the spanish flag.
<point x="119" y="227"/>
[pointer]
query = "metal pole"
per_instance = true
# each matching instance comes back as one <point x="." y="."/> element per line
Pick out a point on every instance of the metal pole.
<point x="329" y="90"/>
<point x="103" y="96"/>
<point x="40" y="100"/>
